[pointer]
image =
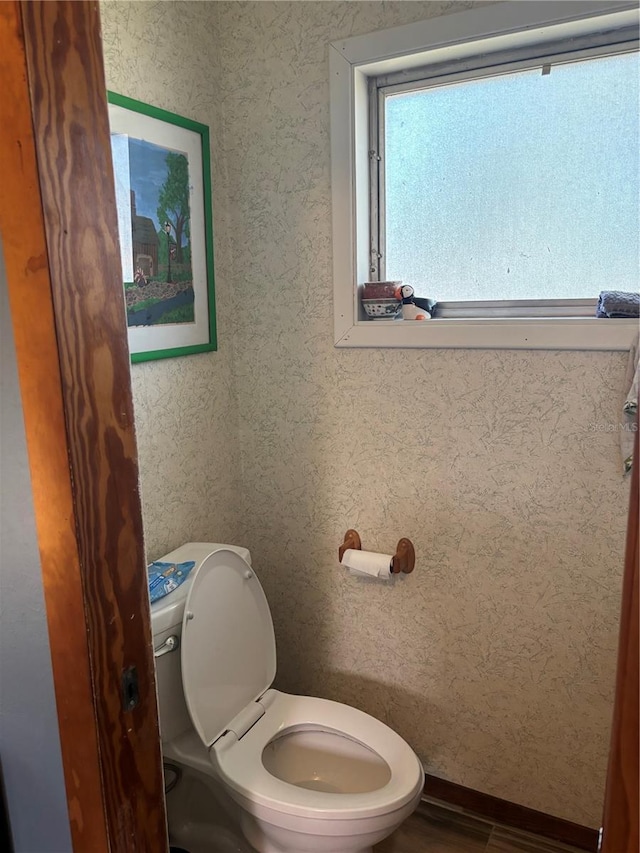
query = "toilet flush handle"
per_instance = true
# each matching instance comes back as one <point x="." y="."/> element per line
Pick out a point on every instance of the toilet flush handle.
<point x="170" y="645"/>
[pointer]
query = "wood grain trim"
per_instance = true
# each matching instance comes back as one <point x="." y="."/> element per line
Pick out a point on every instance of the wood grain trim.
<point x="30" y="299"/>
<point x="620" y="823"/>
<point x="69" y="111"/>
<point x="511" y="814"/>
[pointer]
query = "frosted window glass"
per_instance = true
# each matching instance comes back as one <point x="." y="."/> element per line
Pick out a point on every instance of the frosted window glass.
<point x="522" y="186"/>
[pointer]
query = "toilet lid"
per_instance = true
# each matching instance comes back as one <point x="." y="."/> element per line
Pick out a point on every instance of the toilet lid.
<point x="228" y="646"/>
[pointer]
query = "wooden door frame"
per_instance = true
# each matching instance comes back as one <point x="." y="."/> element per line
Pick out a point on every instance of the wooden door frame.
<point x="59" y="231"/>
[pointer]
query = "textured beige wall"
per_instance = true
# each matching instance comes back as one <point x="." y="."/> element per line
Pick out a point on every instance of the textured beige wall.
<point x="495" y="659"/>
<point x="163" y="54"/>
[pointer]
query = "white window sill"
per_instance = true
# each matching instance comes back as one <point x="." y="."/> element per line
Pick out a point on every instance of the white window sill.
<point x="584" y="333"/>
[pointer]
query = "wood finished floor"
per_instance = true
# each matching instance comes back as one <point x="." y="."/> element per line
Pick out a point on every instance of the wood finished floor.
<point x="435" y="829"/>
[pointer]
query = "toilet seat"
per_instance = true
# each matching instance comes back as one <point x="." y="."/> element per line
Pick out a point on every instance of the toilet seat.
<point x="240" y="765"/>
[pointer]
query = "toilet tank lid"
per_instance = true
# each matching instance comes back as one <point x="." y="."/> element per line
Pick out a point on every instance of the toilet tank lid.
<point x="167" y="612"/>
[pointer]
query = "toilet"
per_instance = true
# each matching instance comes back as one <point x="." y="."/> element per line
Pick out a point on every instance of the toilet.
<point x="296" y="774"/>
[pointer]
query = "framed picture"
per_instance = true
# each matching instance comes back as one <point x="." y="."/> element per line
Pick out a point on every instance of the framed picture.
<point x="163" y="194"/>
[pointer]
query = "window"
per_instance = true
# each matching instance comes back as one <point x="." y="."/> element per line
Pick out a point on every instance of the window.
<point x="521" y="185"/>
<point x="494" y="167"/>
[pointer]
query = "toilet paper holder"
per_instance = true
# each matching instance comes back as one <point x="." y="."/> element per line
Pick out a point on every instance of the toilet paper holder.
<point x="404" y="559"/>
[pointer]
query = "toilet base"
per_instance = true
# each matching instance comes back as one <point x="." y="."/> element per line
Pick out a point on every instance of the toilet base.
<point x="265" y="830"/>
<point x="266" y="847"/>
<point x="265" y="838"/>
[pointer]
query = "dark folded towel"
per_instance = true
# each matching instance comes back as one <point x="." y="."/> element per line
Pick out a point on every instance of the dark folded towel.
<point x="615" y="303"/>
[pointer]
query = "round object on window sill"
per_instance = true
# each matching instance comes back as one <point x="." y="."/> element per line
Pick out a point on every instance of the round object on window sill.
<point x="381" y="309"/>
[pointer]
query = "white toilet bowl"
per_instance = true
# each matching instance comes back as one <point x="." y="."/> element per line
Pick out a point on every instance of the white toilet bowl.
<point x="302" y="775"/>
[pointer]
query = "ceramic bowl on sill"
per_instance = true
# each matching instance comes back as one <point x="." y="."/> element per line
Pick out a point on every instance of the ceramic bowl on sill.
<point x="381" y="309"/>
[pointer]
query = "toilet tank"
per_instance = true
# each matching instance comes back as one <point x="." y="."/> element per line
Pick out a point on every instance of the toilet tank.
<point x="166" y="621"/>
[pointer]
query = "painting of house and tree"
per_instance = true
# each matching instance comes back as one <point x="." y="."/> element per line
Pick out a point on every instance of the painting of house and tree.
<point x="162" y="181"/>
<point x="161" y="291"/>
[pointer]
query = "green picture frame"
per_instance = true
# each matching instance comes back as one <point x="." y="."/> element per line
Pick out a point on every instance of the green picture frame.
<point x="162" y="172"/>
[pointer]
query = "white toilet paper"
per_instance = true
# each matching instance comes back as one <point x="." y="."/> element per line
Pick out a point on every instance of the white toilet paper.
<point x="367" y="563"/>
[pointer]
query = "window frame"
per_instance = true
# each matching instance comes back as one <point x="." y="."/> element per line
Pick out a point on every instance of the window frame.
<point x="516" y="33"/>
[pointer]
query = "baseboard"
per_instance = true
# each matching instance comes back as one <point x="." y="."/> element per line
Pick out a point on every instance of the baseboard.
<point x="511" y="814"/>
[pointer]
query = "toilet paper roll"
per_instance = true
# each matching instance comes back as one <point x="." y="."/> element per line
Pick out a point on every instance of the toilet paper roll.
<point x="367" y="563"/>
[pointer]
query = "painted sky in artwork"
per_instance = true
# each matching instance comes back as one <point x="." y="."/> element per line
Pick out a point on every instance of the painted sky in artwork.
<point x="148" y="172"/>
